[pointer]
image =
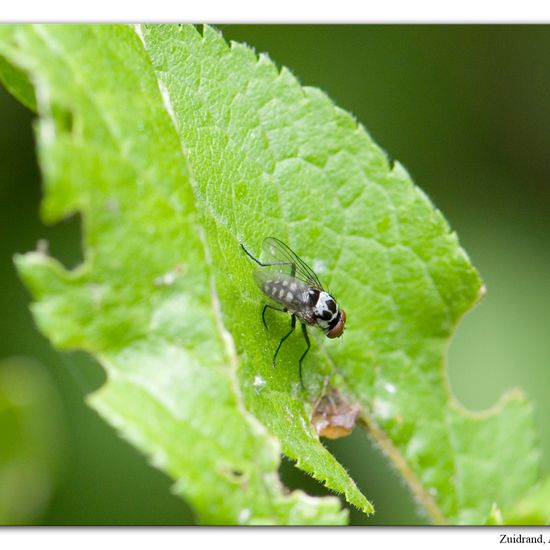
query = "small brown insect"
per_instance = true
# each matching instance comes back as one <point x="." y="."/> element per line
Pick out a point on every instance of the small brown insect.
<point x="334" y="416"/>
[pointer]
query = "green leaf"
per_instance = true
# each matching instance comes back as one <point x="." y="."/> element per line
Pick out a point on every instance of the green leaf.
<point x="144" y="301"/>
<point x="534" y="509"/>
<point x="495" y="516"/>
<point x="32" y="441"/>
<point x="176" y="148"/>
<point x="293" y="165"/>
<point x="17" y="83"/>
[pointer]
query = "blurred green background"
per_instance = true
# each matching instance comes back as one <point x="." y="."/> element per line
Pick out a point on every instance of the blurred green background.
<point x="466" y="109"/>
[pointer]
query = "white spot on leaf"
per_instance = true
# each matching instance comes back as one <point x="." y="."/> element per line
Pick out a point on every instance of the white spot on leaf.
<point x="165" y="280"/>
<point x="382" y="409"/>
<point x="259" y="382"/>
<point x="244" y="515"/>
<point x="319" y="266"/>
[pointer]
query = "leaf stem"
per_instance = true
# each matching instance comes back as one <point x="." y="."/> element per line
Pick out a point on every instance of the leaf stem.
<point x="421" y="494"/>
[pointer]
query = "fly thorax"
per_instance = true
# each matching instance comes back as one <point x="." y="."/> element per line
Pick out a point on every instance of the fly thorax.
<point x="325" y="310"/>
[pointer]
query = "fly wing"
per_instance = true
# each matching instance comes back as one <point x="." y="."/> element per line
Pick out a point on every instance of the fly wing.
<point x="289" y="262"/>
<point x="284" y="289"/>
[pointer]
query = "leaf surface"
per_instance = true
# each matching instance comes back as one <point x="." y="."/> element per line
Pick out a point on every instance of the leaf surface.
<point x="293" y="165"/>
<point x="534" y="509"/>
<point x="144" y="301"/>
<point x="177" y="147"/>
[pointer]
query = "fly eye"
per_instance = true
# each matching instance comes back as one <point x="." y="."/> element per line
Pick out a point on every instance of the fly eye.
<point x="338" y="328"/>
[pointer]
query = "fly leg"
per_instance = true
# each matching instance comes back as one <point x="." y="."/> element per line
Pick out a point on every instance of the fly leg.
<point x="306" y="338"/>
<point x="283" y="309"/>
<point x="292" y="327"/>
<point x="261" y="264"/>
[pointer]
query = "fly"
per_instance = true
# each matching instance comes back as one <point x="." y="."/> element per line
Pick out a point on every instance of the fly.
<point x="293" y="286"/>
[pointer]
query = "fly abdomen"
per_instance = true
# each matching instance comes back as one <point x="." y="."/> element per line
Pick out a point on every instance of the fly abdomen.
<point x="285" y="290"/>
